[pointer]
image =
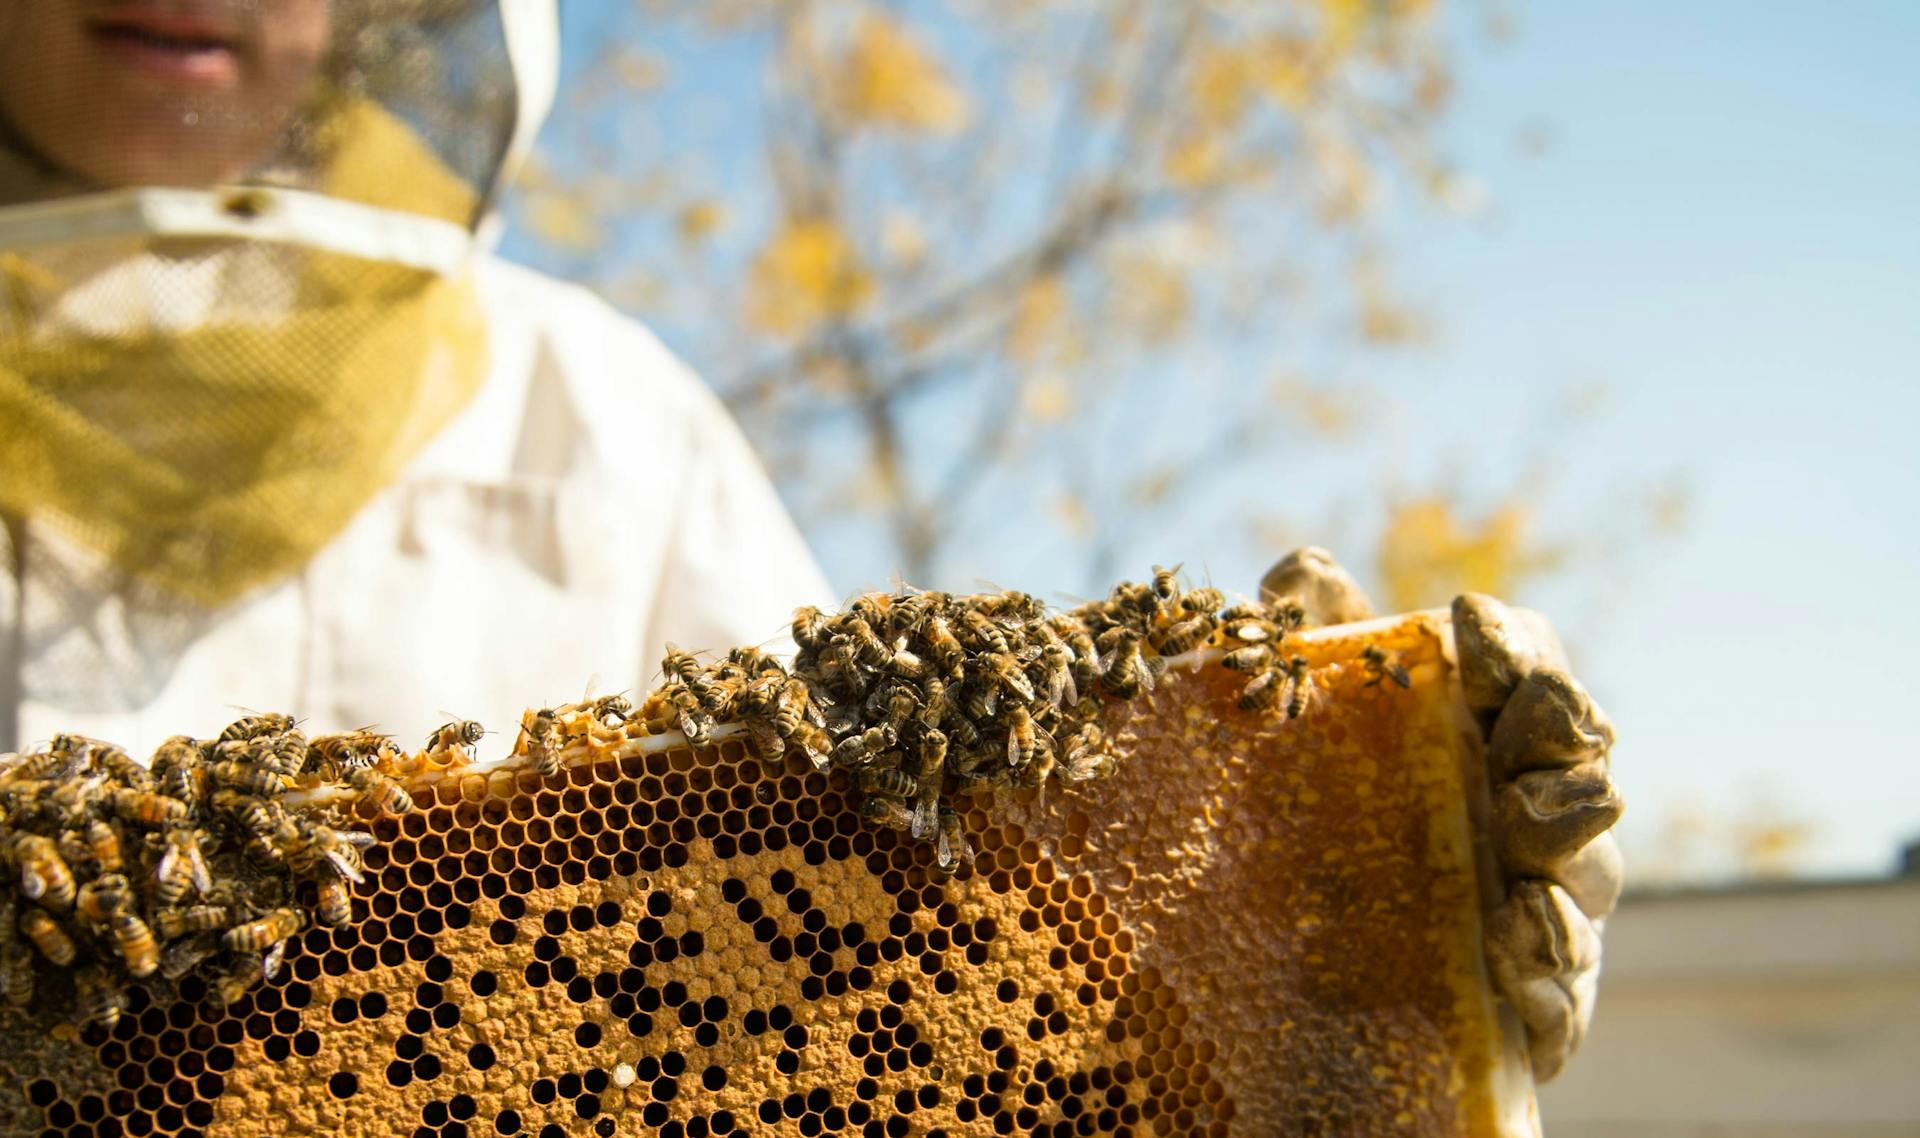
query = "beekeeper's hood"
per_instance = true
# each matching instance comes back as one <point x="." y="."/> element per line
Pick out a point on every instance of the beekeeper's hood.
<point x="232" y="245"/>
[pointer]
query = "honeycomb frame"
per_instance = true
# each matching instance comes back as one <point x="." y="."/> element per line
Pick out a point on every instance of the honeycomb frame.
<point x="690" y="942"/>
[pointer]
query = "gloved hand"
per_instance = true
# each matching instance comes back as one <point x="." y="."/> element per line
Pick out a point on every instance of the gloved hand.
<point x="1553" y="799"/>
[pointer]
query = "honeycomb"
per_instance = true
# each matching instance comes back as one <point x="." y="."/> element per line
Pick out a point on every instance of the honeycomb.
<point x="1257" y="925"/>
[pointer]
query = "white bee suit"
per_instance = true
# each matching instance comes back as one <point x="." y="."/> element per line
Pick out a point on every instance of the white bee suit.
<point x="593" y="502"/>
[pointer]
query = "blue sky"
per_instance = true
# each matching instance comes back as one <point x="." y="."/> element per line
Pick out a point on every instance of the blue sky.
<point x="1724" y="234"/>
<point x="1721" y="239"/>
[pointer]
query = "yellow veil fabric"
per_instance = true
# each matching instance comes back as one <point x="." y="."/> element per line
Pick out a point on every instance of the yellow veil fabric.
<point x="215" y="453"/>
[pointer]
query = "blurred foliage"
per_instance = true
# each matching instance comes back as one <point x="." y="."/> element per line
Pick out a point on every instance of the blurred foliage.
<point x="951" y="261"/>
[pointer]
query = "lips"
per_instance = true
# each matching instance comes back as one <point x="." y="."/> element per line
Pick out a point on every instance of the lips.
<point x="181" y="49"/>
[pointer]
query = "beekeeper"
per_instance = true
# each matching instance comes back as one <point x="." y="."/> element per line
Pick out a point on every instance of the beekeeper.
<point x="277" y="431"/>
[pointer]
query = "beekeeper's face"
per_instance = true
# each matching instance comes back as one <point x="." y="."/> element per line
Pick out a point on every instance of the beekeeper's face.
<point x="158" y="92"/>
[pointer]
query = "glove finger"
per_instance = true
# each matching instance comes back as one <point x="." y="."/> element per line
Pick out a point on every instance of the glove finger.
<point x="1544" y="955"/>
<point x="1328" y="593"/>
<point x="1544" y="817"/>
<point x="1537" y="933"/>
<point x="1593" y="877"/>
<point x="1557" y="1013"/>
<point x="1497" y="647"/>
<point x="1550" y="722"/>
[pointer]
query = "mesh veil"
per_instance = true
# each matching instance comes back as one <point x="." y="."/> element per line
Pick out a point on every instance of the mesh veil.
<point x="201" y="408"/>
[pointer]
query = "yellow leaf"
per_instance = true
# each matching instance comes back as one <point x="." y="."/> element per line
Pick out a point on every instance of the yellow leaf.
<point x="1222" y="83"/>
<point x="1428" y="555"/>
<point x="808" y="273"/>
<point x="902" y="236"/>
<point x="1194" y="162"/>
<point x="885" y="79"/>
<point x="1073" y="514"/>
<point x="1047" y="399"/>
<point x="1037" y="314"/>
<point x="562" y="219"/>
<point x="701" y="220"/>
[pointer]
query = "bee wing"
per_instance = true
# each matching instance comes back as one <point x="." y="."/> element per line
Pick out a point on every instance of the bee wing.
<point x="344" y="867"/>
<point x="32" y="885"/>
<point x="270" y="963"/>
<point x="1148" y="676"/>
<point x="197" y="866"/>
<point x="926" y="817"/>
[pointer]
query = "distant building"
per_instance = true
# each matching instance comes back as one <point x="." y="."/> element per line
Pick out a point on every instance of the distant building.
<point x="1786" y="1010"/>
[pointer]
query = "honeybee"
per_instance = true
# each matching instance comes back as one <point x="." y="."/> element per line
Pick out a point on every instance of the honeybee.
<point x="690" y="715"/>
<point x="1005" y="670"/>
<point x="339" y="849"/>
<point x="116" y="764"/>
<point x="1023" y="741"/>
<point x="172" y="924"/>
<point x="756" y="662"/>
<point x="135" y="941"/>
<point x="252" y="814"/>
<point x="952" y="850"/>
<point x="799" y="701"/>
<point x="681" y="667"/>
<point x="864" y="748"/>
<point x="103" y="841"/>
<point x="929" y="764"/>
<point x="335" y="903"/>
<point x="1085" y="756"/>
<point x="1302" y="687"/>
<point x="182" y="867"/>
<point x="333" y="755"/>
<point x="809" y="628"/>
<point x="542" y="749"/>
<point x="1086" y="657"/>
<point x="910" y="612"/>
<point x="1012" y="604"/>
<point x="47" y="935"/>
<point x="984" y="633"/>
<point x="1383" y="667"/>
<point x="879" y="810"/>
<point x="235" y="982"/>
<point x="760" y="709"/>
<point x="254" y="726"/>
<point x="259" y="781"/>
<point x="183" y="956"/>
<point x="869" y="650"/>
<point x="180" y="769"/>
<point x="44" y="876"/>
<point x="945" y="647"/>
<point x="816" y="744"/>
<point x="1204" y="601"/>
<point x="98" y="900"/>
<point x="901" y="707"/>
<point x="889" y="781"/>
<point x="264" y="932"/>
<point x="1262" y="691"/>
<point x="1252" y="658"/>
<point x="379" y="791"/>
<point x="1056" y="668"/>
<point x="1247" y="623"/>
<point x="599" y="708"/>
<point x="717" y="694"/>
<point x="1186" y="635"/>
<point x="1166" y="584"/>
<point x="1288" y="614"/>
<point x="48" y="765"/>
<point x="16" y="974"/>
<point x="1128" y="672"/>
<point x="961" y="729"/>
<point x="907" y="664"/>
<point x="150" y="810"/>
<point x="980" y="700"/>
<point x="453" y="735"/>
<point x="101" y="1000"/>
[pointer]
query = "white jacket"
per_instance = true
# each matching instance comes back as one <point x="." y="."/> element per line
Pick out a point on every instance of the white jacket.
<point x="593" y="502"/>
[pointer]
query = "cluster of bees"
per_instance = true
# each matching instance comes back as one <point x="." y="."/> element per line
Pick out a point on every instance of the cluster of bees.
<point x="112" y="871"/>
<point x="920" y="697"/>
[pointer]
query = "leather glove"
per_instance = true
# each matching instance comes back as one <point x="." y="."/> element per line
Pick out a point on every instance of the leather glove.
<point x="1553" y="799"/>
